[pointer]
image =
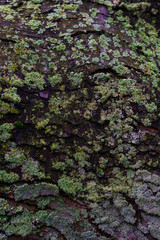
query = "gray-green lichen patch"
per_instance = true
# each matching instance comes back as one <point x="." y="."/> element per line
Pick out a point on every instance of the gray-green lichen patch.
<point x="32" y="191"/>
<point x="19" y="225"/>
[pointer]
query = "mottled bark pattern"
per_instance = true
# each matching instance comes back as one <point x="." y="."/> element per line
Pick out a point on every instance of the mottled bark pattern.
<point x="79" y="120"/>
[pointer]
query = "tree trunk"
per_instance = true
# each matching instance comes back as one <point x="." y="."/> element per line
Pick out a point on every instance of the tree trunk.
<point x="79" y="120"/>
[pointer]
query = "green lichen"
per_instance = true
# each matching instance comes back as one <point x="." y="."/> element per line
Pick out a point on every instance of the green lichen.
<point x="135" y="6"/>
<point x="76" y="78"/>
<point x="6" y="9"/>
<point x="37" y="1"/>
<point x="120" y="69"/>
<point x="42" y="123"/>
<point x="71" y="7"/>
<point x="8" y="177"/>
<point x="34" y="24"/>
<point x="59" y="166"/>
<point x="35" y="80"/>
<point x="15" y="156"/>
<point x="5" y="131"/>
<point x="10" y="94"/>
<point x="92" y="191"/>
<point x="61" y="47"/>
<point x="56" y="79"/>
<point x="7" y="108"/>
<point x="81" y="157"/>
<point x="31" y="170"/>
<point x="70" y="186"/>
<point x="104" y="41"/>
<point x="151" y="107"/>
<point x="16" y="82"/>
<point x="55" y="104"/>
<point x="55" y="146"/>
<point x="59" y="104"/>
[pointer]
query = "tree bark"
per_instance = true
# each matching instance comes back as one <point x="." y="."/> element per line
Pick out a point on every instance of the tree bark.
<point x="79" y="120"/>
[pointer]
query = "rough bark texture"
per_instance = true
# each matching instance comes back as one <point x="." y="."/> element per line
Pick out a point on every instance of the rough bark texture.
<point x="79" y="120"/>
